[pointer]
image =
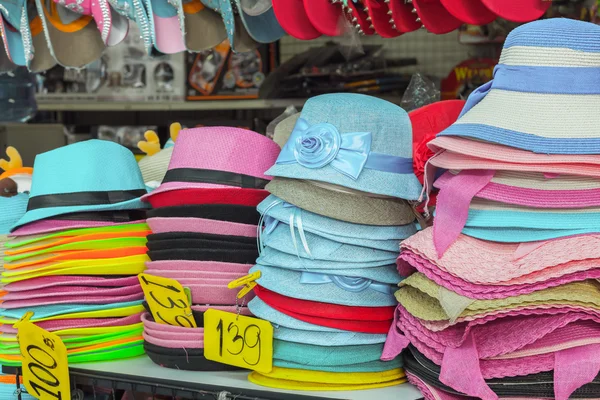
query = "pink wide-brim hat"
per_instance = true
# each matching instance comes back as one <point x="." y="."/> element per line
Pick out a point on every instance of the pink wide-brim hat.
<point x="54" y="282"/>
<point x="201" y="225"/>
<point x="218" y="157"/>
<point x="191" y="267"/>
<point x="54" y="300"/>
<point x="54" y="225"/>
<point x="483" y="262"/>
<point x="61" y="324"/>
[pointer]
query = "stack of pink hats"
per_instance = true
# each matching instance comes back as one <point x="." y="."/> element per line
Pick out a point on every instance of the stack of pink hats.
<point x="204" y="230"/>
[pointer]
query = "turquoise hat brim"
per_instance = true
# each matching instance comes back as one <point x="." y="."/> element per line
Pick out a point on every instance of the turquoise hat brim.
<point x="44" y="213"/>
<point x="520" y="235"/>
<point x="370" y="366"/>
<point x="326" y="338"/>
<point x="13" y="209"/>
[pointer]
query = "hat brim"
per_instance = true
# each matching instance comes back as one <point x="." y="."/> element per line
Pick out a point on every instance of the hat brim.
<point x="518" y="10"/>
<point x="363" y="20"/>
<point x="435" y="17"/>
<point x="45" y="213"/>
<point x="53" y="225"/>
<point x="378" y="11"/>
<point x="204" y="27"/>
<point x="170" y="197"/>
<point x="292" y="16"/>
<point x="200" y="225"/>
<point x="13" y="41"/>
<point x="73" y="45"/>
<point x="287" y="283"/>
<point x="472" y="12"/>
<point x="325" y="16"/>
<point x="263" y="28"/>
<point x="342" y="206"/>
<point x="404" y="19"/>
<point x="185" y="265"/>
<point x="42" y="58"/>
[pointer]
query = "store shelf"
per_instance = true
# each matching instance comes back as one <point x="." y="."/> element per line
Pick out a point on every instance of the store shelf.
<point x="255" y="104"/>
<point x="141" y="374"/>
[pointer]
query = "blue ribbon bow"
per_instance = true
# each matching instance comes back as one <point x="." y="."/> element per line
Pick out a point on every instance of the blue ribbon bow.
<point x="348" y="283"/>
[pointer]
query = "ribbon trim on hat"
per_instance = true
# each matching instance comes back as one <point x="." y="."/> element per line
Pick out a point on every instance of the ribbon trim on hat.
<point x="83" y="198"/>
<point x="322" y="144"/>
<point x="212" y="176"/>
<point x="348" y="283"/>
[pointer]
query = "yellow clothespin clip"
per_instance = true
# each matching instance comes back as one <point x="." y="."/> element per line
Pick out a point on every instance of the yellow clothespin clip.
<point x="248" y="282"/>
<point x="174" y="130"/>
<point x="151" y="145"/>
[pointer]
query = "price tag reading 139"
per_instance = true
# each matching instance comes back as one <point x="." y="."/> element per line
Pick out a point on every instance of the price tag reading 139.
<point x="45" y="367"/>
<point x="238" y="340"/>
<point x="167" y="300"/>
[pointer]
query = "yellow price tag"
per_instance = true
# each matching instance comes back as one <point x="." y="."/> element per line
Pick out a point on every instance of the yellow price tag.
<point x="167" y="300"/>
<point x="238" y="340"/>
<point x="45" y="366"/>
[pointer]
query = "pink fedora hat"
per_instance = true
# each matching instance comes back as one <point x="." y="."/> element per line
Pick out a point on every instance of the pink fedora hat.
<point x="190" y="267"/>
<point x="219" y="157"/>
<point x="87" y="299"/>
<point x="54" y="225"/>
<point x="491" y="263"/>
<point x="61" y="324"/>
<point x="54" y="282"/>
<point x="201" y="225"/>
<point x="53" y="291"/>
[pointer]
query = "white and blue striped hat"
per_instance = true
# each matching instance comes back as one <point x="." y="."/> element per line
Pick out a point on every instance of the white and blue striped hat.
<point x="544" y="92"/>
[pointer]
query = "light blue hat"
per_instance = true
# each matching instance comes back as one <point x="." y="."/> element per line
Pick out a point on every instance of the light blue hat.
<point x="263" y="311"/>
<point x="370" y="366"/>
<point x="519" y="235"/>
<point x="384" y="271"/>
<point x="309" y="245"/>
<point x="59" y="309"/>
<point x="352" y="140"/>
<point x="308" y="354"/>
<point x="8" y="391"/>
<point x="12" y="209"/>
<point x="95" y="175"/>
<point x="326" y="338"/>
<point x="135" y="11"/>
<point x="544" y="66"/>
<point x="259" y="19"/>
<point x="16" y="31"/>
<point x="276" y="211"/>
<point x="333" y="289"/>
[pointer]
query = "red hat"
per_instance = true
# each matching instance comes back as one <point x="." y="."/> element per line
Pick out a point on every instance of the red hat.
<point x="292" y="17"/>
<point x="469" y="11"/>
<point x="382" y="21"/>
<point x="518" y="10"/>
<point x="325" y="16"/>
<point x="427" y="122"/>
<point x="358" y="17"/>
<point x="404" y="17"/>
<point x="435" y="17"/>
<point x="349" y="318"/>
<point x="240" y="197"/>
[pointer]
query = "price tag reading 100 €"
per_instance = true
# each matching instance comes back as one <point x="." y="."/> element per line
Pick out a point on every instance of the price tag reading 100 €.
<point x="45" y="367"/>
<point x="238" y="340"/>
<point x="167" y="300"/>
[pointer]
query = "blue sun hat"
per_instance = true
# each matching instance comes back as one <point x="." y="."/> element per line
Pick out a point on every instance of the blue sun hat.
<point x="8" y="391"/>
<point x="327" y="288"/>
<point x="380" y="271"/>
<point x="276" y="212"/>
<point x="326" y="338"/>
<point x="15" y="31"/>
<point x="13" y="208"/>
<point x="309" y="245"/>
<point x="259" y="19"/>
<point x="94" y="175"/>
<point x="540" y="96"/>
<point x="520" y="235"/>
<point x="352" y="140"/>
<point x="308" y="354"/>
<point x="238" y="36"/>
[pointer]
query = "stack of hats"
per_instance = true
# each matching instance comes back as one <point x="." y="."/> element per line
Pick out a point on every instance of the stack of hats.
<point x="503" y="297"/>
<point x="72" y="259"/>
<point x="204" y="231"/>
<point x="333" y="222"/>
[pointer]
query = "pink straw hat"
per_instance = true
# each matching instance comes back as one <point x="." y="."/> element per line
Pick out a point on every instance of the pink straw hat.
<point x="491" y="263"/>
<point x="54" y="225"/>
<point x="201" y="225"/>
<point x="219" y="157"/>
<point x="196" y="266"/>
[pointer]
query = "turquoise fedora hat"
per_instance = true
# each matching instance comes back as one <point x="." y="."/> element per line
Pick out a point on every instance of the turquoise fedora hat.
<point x="94" y="175"/>
<point x="308" y="354"/>
<point x="520" y="235"/>
<point x="326" y="338"/>
<point x="13" y="208"/>
<point x="326" y="288"/>
<point x="275" y="212"/>
<point x="351" y="140"/>
<point x="381" y="271"/>
<point x="369" y="366"/>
